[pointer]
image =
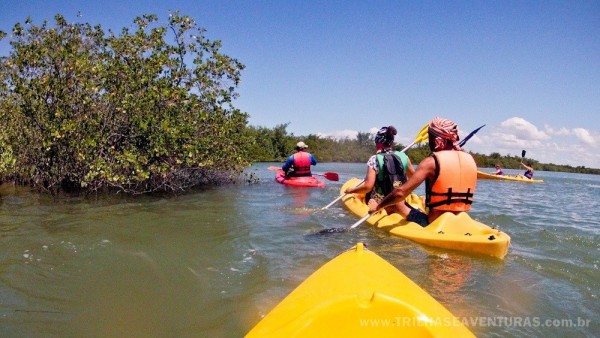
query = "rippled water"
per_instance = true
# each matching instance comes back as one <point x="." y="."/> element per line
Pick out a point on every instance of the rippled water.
<point x="210" y="264"/>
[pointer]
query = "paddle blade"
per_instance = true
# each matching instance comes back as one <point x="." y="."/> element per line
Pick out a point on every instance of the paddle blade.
<point x="331" y="176"/>
<point x="331" y="231"/>
<point x="273" y="168"/>
<point x="423" y="135"/>
<point x="523" y="153"/>
<point x="462" y="143"/>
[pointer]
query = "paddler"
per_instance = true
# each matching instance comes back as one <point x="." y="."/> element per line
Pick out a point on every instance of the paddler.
<point x="528" y="170"/>
<point x="498" y="170"/>
<point x="450" y="176"/>
<point x="386" y="169"/>
<point x="298" y="164"/>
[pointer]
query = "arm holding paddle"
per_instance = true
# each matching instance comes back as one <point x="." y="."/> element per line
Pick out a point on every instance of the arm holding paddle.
<point x="529" y="172"/>
<point x="287" y="165"/>
<point x="361" y="187"/>
<point x="444" y="133"/>
<point x="526" y="166"/>
<point x="367" y="185"/>
<point x="369" y="180"/>
<point x="425" y="169"/>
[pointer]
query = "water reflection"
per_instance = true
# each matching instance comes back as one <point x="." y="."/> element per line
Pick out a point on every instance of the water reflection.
<point x="211" y="263"/>
<point x="450" y="275"/>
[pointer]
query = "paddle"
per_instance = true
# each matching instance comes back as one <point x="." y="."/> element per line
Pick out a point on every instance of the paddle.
<point x="328" y="175"/>
<point x="360" y="221"/>
<point x="523" y="159"/>
<point x="422" y="136"/>
<point x="462" y="143"/>
<point x="334" y="230"/>
<point x="340" y="196"/>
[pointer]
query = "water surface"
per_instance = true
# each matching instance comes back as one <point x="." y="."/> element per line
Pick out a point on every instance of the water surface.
<point x="212" y="263"/>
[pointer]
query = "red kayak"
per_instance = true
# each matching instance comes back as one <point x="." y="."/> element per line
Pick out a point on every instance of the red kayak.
<point x="305" y="181"/>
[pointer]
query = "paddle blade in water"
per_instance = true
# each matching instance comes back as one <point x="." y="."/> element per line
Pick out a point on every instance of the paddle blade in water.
<point x="331" y="231"/>
<point x="332" y="176"/>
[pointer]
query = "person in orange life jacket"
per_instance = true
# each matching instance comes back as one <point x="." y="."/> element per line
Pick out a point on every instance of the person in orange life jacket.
<point x="375" y="183"/>
<point x="529" y="170"/>
<point x="450" y="177"/>
<point x="299" y="163"/>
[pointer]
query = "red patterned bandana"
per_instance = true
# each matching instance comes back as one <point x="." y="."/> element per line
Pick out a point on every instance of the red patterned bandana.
<point x="444" y="129"/>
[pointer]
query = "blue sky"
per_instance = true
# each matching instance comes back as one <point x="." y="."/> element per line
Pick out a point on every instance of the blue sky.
<point x="529" y="70"/>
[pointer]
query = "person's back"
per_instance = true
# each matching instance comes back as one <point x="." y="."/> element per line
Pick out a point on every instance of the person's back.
<point x="453" y="187"/>
<point x="385" y="170"/>
<point x="392" y="167"/>
<point x="450" y="177"/>
<point x="298" y="164"/>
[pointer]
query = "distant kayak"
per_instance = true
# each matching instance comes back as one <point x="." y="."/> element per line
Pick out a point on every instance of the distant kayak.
<point x="305" y="181"/>
<point x="488" y="176"/>
<point x="359" y="294"/>
<point x="449" y="231"/>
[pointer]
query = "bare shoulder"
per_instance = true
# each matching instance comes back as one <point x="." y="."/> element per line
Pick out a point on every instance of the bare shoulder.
<point x="428" y="164"/>
<point x="425" y="169"/>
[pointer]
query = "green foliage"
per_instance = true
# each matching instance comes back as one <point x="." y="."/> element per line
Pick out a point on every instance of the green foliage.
<point x="277" y="145"/>
<point x="83" y="109"/>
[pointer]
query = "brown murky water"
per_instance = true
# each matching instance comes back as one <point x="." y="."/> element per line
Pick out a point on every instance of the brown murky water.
<point x="210" y="264"/>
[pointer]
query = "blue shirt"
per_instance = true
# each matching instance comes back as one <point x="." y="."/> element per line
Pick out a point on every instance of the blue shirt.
<point x="290" y="162"/>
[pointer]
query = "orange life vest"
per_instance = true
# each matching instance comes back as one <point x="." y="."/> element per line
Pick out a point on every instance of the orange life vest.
<point x="302" y="164"/>
<point x="454" y="184"/>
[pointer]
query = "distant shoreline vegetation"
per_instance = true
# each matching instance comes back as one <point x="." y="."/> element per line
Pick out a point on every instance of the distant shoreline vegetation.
<point x="275" y="145"/>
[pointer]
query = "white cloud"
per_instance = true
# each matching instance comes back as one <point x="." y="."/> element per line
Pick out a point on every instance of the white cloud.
<point x="523" y="129"/>
<point x="581" y="133"/>
<point x="560" y="132"/>
<point x="550" y="145"/>
<point x="343" y="134"/>
<point x="584" y="136"/>
<point x="340" y="134"/>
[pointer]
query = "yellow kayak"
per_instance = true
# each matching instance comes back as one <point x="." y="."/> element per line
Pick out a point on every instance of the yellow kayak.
<point x="359" y="294"/>
<point x="449" y="231"/>
<point x="487" y="176"/>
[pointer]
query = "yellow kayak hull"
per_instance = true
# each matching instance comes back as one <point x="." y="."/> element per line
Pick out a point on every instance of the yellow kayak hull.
<point x="359" y="294"/>
<point x="449" y="231"/>
<point x="487" y="176"/>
